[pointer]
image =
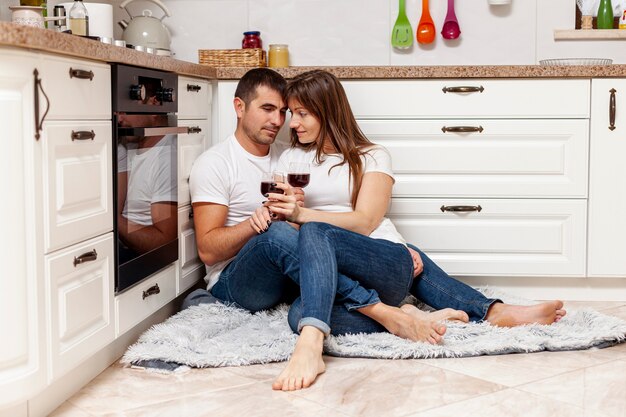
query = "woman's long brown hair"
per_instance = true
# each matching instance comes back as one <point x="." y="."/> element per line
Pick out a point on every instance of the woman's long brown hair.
<point x="323" y="96"/>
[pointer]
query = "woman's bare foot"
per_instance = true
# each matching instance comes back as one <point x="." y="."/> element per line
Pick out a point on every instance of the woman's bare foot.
<point x="508" y="315"/>
<point x="439" y="315"/>
<point x="405" y="325"/>
<point x="305" y="363"/>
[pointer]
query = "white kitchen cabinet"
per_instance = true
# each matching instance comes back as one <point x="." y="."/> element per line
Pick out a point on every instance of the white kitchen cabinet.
<point x="23" y="370"/>
<point x="511" y="155"/>
<point x="607" y="181"/>
<point x="79" y="289"/>
<point x="194" y="111"/>
<point x="497" y="237"/>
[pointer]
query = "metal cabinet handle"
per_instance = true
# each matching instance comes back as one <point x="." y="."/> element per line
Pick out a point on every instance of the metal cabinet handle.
<point x="462" y="129"/>
<point x="194" y="88"/>
<point x="81" y="74"/>
<point x="461" y="208"/>
<point x="39" y="87"/>
<point x="463" y="89"/>
<point x="85" y="257"/>
<point x="154" y="290"/>
<point x="83" y="135"/>
<point x="194" y="129"/>
<point x="612" y="108"/>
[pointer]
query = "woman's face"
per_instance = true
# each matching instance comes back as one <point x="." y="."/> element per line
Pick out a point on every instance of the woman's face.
<point x="306" y="126"/>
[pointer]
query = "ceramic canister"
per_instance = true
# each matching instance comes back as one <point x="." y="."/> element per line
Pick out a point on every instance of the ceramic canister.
<point x="27" y="15"/>
<point x="100" y="18"/>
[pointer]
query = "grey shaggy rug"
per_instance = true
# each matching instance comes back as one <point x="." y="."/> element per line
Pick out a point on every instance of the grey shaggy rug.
<point x="215" y="335"/>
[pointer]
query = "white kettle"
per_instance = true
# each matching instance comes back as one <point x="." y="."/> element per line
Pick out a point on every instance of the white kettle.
<point x="145" y="30"/>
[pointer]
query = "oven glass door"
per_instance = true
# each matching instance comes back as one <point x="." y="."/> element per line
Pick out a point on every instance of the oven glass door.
<point x="146" y="195"/>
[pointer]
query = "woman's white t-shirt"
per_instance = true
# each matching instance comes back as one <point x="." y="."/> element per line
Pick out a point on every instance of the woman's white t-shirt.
<point x="332" y="190"/>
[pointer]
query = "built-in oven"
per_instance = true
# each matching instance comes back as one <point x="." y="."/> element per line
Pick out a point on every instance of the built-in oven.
<point x="145" y="172"/>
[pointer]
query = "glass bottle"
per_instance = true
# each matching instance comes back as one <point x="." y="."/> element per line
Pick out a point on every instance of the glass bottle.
<point x="278" y="56"/>
<point x="251" y="39"/>
<point x="605" y="15"/>
<point x="79" y="19"/>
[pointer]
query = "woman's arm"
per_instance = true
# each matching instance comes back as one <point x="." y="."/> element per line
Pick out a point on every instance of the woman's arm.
<point x="371" y="206"/>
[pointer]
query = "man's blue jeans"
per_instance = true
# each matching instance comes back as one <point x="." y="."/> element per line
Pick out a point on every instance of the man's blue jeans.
<point x="265" y="268"/>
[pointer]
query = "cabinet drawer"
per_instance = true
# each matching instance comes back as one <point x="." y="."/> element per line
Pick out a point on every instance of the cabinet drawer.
<point x="145" y="298"/>
<point x="190" y="146"/>
<point x="77" y="183"/>
<point x="80" y="299"/>
<point x="71" y="95"/>
<point x="191" y="267"/>
<point x="543" y="99"/>
<point x="508" y="158"/>
<point x="506" y="238"/>
<point x="194" y="98"/>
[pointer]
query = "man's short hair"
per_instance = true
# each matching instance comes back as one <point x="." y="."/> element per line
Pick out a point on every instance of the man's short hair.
<point x="246" y="89"/>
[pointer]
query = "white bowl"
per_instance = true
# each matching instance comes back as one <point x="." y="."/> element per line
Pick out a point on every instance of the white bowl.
<point x="575" y="61"/>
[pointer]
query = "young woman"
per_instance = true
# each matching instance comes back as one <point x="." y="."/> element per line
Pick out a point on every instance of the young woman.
<point x="343" y="231"/>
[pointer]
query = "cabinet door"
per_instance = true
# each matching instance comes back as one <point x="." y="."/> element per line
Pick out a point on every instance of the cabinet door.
<point x="22" y="351"/>
<point x="77" y="182"/>
<point x="194" y="98"/>
<point x="79" y="283"/>
<point x="507" y="237"/>
<point x="607" y="185"/>
<point x="190" y="146"/>
<point x="191" y="267"/>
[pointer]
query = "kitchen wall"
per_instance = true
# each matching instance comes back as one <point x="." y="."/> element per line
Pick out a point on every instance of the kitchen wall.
<point x="357" y="32"/>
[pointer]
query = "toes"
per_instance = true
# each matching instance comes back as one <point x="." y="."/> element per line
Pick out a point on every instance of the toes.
<point x="278" y="384"/>
<point x="441" y="329"/>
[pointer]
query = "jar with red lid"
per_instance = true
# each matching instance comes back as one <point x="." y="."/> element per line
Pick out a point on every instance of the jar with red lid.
<point x="251" y="40"/>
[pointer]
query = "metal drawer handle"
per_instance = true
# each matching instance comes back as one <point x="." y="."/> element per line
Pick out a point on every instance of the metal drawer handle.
<point x="81" y="74"/>
<point x="85" y="257"/>
<point x="83" y="135"/>
<point x="194" y="129"/>
<point x="462" y="129"/>
<point x="154" y="290"/>
<point x="463" y="89"/>
<point x="461" y="208"/>
<point x="612" y="108"/>
<point x="193" y="87"/>
<point x="39" y="87"/>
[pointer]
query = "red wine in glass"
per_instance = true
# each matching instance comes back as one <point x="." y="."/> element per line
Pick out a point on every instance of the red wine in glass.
<point x="267" y="187"/>
<point x="298" y="180"/>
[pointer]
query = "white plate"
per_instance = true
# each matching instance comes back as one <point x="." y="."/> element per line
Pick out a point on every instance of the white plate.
<point x="576" y="61"/>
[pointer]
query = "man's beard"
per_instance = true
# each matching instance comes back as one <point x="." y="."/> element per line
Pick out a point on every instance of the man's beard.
<point x="259" y="136"/>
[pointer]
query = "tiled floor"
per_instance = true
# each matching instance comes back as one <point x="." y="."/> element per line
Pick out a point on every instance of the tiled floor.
<point x="589" y="383"/>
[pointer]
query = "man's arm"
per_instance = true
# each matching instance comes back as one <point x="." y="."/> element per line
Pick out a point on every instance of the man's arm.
<point x="215" y="241"/>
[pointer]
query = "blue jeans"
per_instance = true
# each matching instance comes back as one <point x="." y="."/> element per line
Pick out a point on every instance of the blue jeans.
<point x="263" y="274"/>
<point x="378" y="264"/>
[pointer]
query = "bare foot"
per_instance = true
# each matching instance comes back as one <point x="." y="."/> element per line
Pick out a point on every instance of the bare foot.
<point x="439" y="315"/>
<point x="405" y="325"/>
<point x="507" y="315"/>
<point x="305" y="363"/>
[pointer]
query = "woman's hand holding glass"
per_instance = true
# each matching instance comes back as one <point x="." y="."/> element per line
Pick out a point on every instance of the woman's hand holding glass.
<point x="287" y="205"/>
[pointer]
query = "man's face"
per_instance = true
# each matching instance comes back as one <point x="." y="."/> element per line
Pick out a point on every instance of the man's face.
<point x="262" y="118"/>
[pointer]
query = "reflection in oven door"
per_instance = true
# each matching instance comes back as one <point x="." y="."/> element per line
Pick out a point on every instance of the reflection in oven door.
<point x="146" y="195"/>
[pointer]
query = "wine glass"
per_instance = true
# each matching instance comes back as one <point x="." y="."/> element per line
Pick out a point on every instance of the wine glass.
<point x="269" y="180"/>
<point x="299" y="174"/>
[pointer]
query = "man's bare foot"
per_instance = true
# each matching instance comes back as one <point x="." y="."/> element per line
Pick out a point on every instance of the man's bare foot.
<point x="508" y="315"/>
<point x="439" y="315"/>
<point x="305" y="363"/>
<point x="405" y="325"/>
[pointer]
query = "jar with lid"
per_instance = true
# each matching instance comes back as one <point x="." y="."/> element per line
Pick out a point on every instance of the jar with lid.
<point x="251" y="39"/>
<point x="278" y="56"/>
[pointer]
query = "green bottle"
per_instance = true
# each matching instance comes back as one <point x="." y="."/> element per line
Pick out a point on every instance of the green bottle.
<point x="605" y="15"/>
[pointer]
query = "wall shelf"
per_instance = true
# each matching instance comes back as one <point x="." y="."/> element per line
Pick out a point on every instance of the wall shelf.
<point x="589" y="34"/>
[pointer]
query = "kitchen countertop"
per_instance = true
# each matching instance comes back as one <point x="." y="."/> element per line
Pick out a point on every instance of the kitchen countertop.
<point x="60" y="43"/>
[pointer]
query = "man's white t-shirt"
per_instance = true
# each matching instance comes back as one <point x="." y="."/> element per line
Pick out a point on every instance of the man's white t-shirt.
<point x="332" y="190"/>
<point x="229" y="175"/>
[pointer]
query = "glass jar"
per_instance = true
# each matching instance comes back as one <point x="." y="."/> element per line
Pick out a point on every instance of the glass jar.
<point x="251" y="40"/>
<point x="278" y="56"/>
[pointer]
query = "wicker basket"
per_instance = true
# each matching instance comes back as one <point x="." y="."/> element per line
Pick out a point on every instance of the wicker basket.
<point x="232" y="57"/>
